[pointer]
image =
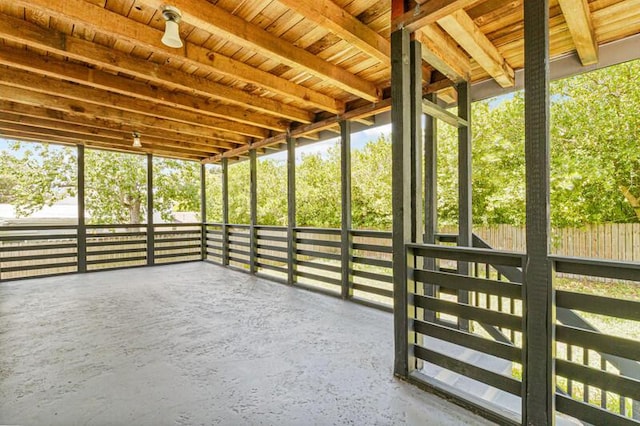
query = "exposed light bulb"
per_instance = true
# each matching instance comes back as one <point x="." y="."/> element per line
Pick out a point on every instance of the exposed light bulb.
<point x="136" y="140"/>
<point x="171" y="35"/>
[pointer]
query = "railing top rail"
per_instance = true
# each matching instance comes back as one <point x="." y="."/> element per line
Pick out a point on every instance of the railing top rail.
<point x="597" y="267"/>
<point x="213" y="223"/>
<point x="36" y="227"/>
<point x="239" y="225"/>
<point x="469" y="254"/>
<point x="272" y="227"/>
<point x="177" y="225"/>
<point x="335" y="231"/>
<point x="118" y="226"/>
<point x="370" y="233"/>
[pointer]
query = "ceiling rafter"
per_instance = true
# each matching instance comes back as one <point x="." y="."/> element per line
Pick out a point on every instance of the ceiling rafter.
<point x="81" y="135"/>
<point x="225" y="141"/>
<point x="35" y="134"/>
<point x="90" y="110"/>
<point x="19" y="59"/>
<point x="78" y="95"/>
<point x="329" y="15"/>
<point x="428" y="12"/>
<point x="578" y="17"/>
<point x="53" y="41"/>
<point x="99" y="19"/>
<point x="215" y="20"/>
<point x="442" y="53"/>
<point x="87" y="129"/>
<point x="467" y="34"/>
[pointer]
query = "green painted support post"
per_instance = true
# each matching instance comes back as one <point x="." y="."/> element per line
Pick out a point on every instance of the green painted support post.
<point x="82" y="228"/>
<point x="538" y="406"/>
<point x="291" y="210"/>
<point x="253" y="212"/>
<point x="203" y="211"/>
<point x="346" y="239"/>
<point x="404" y="361"/>
<point x="150" y="227"/>
<point x="225" y="212"/>
<point x="465" y="218"/>
<point x="430" y="194"/>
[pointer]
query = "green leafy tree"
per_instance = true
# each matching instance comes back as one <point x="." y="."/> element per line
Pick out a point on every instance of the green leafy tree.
<point x="596" y="137"/>
<point x="115" y="183"/>
<point x="371" y="185"/>
<point x="318" y="198"/>
<point x="40" y="175"/>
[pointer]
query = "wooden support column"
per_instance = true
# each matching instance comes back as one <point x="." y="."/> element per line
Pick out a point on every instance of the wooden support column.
<point x="291" y="210"/>
<point x="465" y="218"/>
<point x="203" y="211"/>
<point x="404" y="360"/>
<point x="417" y="136"/>
<point x="430" y="193"/>
<point x="539" y="306"/>
<point x="345" y="172"/>
<point x="225" y="212"/>
<point x="150" y="229"/>
<point x="82" y="228"/>
<point x="253" y="212"/>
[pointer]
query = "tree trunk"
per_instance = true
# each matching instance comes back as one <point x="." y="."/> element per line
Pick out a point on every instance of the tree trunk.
<point x="135" y="212"/>
<point x="632" y="199"/>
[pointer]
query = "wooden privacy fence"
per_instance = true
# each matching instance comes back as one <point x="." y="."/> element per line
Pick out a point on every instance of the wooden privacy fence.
<point x="613" y="241"/>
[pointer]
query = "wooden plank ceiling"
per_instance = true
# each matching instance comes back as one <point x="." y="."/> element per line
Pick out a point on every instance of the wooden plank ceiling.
<point x="93" y="71"/>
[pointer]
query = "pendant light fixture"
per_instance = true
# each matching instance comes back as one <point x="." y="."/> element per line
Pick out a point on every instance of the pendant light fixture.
<point x="136" y="140"/>
<point x="171" y="35"/>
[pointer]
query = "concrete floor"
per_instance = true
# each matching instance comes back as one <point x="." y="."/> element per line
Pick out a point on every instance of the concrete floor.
<point x="199" y="344"/>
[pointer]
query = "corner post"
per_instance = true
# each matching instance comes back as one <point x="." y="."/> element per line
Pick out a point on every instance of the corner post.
<point x="203" y="211"/>
<point x="150" y="227"/>
<point x="465" y="215"/>
<point x="82" y="227"/>
<point x="291" y="210"/>
<point x="538" y="406"/>
<point x="253" y="212"/>
<point x="346" y="239"/>
<point x="404" y="361"/>
<point x="225" y="212"/>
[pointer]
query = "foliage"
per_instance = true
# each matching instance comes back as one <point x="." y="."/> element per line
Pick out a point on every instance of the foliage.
<point x="318" y="197"/>
<point x="115" y="183"/>
<point x="595" y="169"/>
<point x="42" y="175"/>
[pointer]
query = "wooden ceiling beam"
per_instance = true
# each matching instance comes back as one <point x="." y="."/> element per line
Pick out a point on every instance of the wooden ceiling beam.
<point x="117" y="136"/>
<point x="31" y="35"/>
<point x="329" y="15"/>
<point x="83" y="95"/>
<point x="215" y="20"/>
<point x="102" y="20"/>
<point x="442" y="53"/>
<point x="227" y="140"/>
<point x="428" y="12"/>
<point x="26" y="61"/>
<point x="307" y="129"/>
<point x="28" y="137"/>
<point x="91" y="111"/>
<point x="71" y="137"/>
<point x="467" y="34"/>
<point x="578" y="17"/>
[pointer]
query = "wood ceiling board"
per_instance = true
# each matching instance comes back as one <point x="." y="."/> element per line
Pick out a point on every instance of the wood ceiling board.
<point x="221" y="140"/>
<point x="215" y="20"/>
<point x="140" y="90"/>
<point x="467" y="34"/>
<point x="103" y="20"/>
